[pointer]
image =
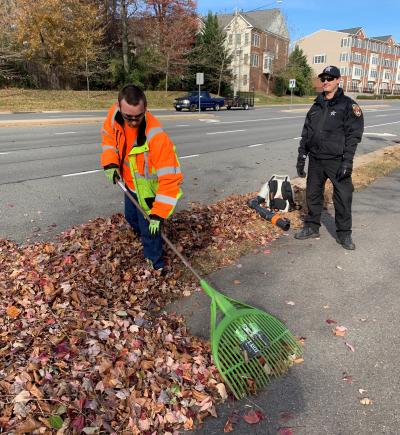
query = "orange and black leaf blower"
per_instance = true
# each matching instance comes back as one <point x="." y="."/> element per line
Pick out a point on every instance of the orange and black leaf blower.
<point x="269" y="215"/>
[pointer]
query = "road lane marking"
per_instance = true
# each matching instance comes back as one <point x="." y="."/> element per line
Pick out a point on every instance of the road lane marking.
<point x="297" y="138"/>
<point x="262" y="119"/>
<point x="66" y="132"/>
<point x="379" y="125"/>
<point x="255" y="145"/>
<point x="381" y="116"/>
<point x="8" y="152"/>
<point x="222" y="132"/>
<point x="81" y="173"/>
<point x="183" y="125"/>
<point x="188" y="157"/>
<point x="381" y="134"/>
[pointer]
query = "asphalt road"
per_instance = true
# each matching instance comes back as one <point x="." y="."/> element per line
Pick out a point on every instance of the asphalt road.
<point x="50" y="177"/>
<point x="304" y="283"/>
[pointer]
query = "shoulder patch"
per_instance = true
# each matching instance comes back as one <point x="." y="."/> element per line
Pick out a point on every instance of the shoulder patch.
<point x="356" y="110"/>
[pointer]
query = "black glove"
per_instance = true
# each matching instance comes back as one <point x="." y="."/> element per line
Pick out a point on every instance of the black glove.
<point x="345" y="170"/>
<point x="301" y="162"/>
<point x="155" y="225"/>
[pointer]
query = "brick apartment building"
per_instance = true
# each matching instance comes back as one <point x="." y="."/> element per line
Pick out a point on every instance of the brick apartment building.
<point x="259" y="42"/>
<point x="369" y="65"/>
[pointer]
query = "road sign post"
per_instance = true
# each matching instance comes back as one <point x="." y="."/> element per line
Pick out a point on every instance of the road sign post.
<point x="292" y="85"/>
<point x="199" y="81"/>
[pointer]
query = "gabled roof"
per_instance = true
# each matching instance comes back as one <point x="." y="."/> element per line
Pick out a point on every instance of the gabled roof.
<point x="382" y="38"/>
<point x="269" y="20"/>
<point x="352" y="31"/>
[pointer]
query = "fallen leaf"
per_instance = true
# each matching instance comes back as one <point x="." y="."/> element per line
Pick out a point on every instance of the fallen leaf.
<point x="298" y="360"/>
<point x="339" y="331"/>
<point x="339" y="267"/>
<point x="330" y="321"/>
<point x="222" y="391"/>
<point x="285" y="431"/>
<point x="361" y="391"/>
<point x="350" y="346"/>
<point x="290" y="302"/>
<point x="23" y="396"/>
<point x="13" y="312"/>
<point x="266" y="251"/>
<point x="237" y="282"/>
<point x="366" y="401"/>
<point x="253" y="417"/>
<point x="348" y="379"/>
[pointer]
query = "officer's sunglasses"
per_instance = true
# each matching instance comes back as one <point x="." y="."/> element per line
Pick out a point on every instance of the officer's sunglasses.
<point x="327" y="79"/>
<point x="131" y="118"/>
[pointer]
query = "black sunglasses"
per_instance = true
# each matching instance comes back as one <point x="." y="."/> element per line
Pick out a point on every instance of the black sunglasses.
<point x="130" y="118"/>
<point x="327" y="79"/>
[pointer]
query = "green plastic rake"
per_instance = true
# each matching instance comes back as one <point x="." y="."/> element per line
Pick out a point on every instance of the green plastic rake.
<point x="249" y="346"/>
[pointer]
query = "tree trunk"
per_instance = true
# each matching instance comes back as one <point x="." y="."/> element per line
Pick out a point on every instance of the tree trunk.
<point x="87" y="73"/>
<point x="124" y="25"/>
<point x="166" y="75"/>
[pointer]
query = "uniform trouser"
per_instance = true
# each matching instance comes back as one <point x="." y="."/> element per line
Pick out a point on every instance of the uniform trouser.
<point x="152" y="247"/>
<point x="318" y="172"/>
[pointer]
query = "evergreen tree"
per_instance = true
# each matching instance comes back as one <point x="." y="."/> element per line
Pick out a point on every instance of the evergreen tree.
<point x="210" y="56"/>
<point x="298" y="68"/>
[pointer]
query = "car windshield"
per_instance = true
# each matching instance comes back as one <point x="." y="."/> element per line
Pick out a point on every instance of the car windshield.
<point x="193" y="94"/>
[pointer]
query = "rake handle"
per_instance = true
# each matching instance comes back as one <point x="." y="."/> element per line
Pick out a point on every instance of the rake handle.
<point x="164" y="237"/>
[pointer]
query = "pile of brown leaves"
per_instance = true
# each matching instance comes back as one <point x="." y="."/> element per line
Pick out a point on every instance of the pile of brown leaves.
<point x="83" y="346"/>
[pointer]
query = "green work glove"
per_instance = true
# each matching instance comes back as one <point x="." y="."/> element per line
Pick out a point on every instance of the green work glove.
<point x="155" y="225"/>
<point x="112" y="174"/>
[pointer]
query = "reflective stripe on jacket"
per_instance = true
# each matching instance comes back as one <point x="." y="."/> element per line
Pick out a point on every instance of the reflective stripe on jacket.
<point x="154" y="164"/>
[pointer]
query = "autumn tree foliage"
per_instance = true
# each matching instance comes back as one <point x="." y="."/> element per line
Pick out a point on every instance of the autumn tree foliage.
<point x="63" y="38"/>
<point x="169" y="29"/>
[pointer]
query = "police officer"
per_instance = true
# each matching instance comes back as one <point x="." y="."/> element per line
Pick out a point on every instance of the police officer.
<point x="334" y="126"/>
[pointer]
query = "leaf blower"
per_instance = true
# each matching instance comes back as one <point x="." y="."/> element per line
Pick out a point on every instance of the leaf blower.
<point x="269" y="215"/>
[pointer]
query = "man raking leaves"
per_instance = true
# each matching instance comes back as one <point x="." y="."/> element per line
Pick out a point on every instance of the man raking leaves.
<point x="137" y="149"/>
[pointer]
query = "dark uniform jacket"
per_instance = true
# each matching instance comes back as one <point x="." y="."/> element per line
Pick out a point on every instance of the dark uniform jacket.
<point x="332" y="129"/>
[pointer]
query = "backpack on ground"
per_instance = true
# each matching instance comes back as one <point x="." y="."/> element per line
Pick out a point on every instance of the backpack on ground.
<point x="278" y="194"/>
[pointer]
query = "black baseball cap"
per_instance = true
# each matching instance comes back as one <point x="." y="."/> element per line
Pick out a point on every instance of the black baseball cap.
<point x="330" y="70"/>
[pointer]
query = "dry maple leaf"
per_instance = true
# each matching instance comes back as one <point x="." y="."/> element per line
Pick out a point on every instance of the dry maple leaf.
<point x="253" y="417"/>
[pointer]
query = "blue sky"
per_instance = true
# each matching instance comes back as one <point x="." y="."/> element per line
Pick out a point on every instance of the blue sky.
<point x="307" y="16"/>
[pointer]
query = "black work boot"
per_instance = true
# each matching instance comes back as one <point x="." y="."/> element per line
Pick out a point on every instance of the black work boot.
<point x="347" y="242"/>
<point x="306" y="233"/>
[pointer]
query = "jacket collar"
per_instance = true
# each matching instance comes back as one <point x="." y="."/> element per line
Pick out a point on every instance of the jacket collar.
<point x="321" y="98"/>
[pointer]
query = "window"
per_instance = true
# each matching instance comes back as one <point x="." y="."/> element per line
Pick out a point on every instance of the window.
<point x="246" y="39"/>
<point x="244" y="79"/>
<point x="319" y="58"/>
<point x="267" y="63"/>
<point x="374" y="60"/>
<point x="246" y="59"/>
<point x="254" y="59"/>
<point x="357" y="71"/>
<point x="230" y="39"/>
<point x="255" y="40"/>
<point x="344" y="57"/>
<point x="238" y="38"/>
<point x="356" y="57"/>
<point x="343" y="71"/>
<point x="344" y="42"/>
<point x="373" y="73"/>
<point x="276" y="50"/>
<point x="341" y="84"/>
<point x="387" y="75"/>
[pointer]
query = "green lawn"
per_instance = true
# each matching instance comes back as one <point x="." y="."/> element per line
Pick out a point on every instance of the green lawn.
<point x="14" y="99"/>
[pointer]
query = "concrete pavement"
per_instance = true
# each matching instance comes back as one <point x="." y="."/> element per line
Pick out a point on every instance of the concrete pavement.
<point x="359" y="290"/>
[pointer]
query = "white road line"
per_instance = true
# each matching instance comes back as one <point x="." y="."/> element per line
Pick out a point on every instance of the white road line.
<point x="256" y="145"/>
<point x="222" y="132"/>
<point x="262" y="119"/>
<point x="8" y="152"/>
<point x="66" y="132"/>
<point x="183" y="125"/>
<point x="381" y="134"/>
<point x="297" y="138"/>
<point x="379" y="125"/>
<point x="81" y="173"/>
<point x="188" y="157"/>
<point x="381" y="116"/>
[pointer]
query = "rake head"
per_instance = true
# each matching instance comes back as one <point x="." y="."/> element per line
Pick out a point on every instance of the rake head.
<point x="250" y="347"/>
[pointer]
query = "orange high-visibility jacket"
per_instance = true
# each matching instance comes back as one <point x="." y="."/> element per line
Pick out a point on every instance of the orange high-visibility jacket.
<point x="159" y="162"/>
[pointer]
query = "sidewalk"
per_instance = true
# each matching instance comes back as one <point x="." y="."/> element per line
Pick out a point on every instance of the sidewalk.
<point x="358" y="289"/>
